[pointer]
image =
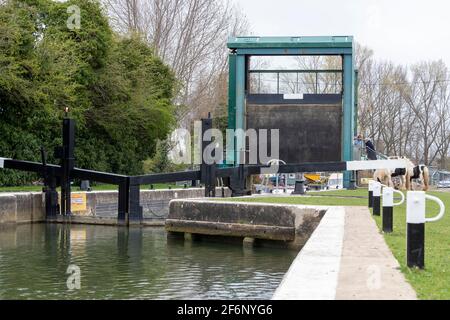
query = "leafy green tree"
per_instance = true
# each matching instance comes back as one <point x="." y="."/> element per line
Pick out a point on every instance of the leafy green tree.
<point x="160" y="161"/>
<point x="119" y="92"/>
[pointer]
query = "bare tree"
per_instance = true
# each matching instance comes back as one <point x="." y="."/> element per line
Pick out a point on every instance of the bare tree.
<point x="321" y="82"/>
<point x="189" y="35"/>
<point x="443" y="137"/>
<point x="424" y="97"/>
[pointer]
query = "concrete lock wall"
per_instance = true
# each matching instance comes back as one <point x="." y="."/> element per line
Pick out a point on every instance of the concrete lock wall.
<point x="98" y="207"/>
<point x="290" y="224"/>
<point x="22" y="208"/>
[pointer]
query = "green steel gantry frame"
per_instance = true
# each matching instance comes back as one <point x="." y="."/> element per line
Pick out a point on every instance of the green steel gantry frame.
<point x="242" y="48"/>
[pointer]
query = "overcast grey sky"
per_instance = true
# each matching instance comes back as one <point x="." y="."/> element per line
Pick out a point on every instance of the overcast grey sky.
<point x="403" y="31"/>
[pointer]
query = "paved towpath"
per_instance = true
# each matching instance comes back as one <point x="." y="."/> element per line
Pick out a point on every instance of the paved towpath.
<point x="346" y="258"/>
<point x="368" y="268"/>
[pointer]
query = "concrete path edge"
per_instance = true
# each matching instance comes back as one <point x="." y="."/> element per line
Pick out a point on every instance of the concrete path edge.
<point x="314" y="273"/>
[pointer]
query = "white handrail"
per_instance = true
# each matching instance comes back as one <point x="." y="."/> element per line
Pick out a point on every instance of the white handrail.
<point x="403" y="198"/>
<point x="441" y="206"/>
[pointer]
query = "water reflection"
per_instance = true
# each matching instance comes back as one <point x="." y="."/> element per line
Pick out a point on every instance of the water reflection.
<point x="135" y="263"/>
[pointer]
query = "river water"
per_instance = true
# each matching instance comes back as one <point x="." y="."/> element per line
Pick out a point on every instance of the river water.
<point x="139" y="263"/>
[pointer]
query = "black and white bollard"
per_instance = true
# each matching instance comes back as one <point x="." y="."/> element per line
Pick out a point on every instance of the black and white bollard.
<point x="376" y="199"/>
<point x="416" y="219"/>
<point x="371" y="183"/>
<point x="388" y="208"/>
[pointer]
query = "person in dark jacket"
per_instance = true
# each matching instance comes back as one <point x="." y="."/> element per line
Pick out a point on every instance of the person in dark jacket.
<point x="371" y="152"/>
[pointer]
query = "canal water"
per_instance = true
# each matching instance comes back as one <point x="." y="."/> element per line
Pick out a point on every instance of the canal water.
<point x="139" y="263"/>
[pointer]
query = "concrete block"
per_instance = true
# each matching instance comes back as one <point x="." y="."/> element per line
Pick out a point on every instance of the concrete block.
<point x="91" y="199"/>
<point x="8" y="208"/>
<point x="189" y="236"/>
<point x="248" y="242"/>
<point x="24" y="211"/>
<point x="38" y="199"/>
<point x="252" y="220"/>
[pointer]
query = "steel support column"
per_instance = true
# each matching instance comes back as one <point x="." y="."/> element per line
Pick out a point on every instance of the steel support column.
<point x="231" y="141"/>
<point x="123" y="202"/>
<point x="208" y="166"/>
<point x="67" y="164"/>
<point x="348" y="114"/>
<point x="135" y="211"/>
<point x="240" y="109"/>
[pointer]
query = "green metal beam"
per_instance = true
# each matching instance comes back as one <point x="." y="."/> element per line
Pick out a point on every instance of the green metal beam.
<point x="241" y="123"/>
<point x="331" y="51"/>
<point x="290" y="42"/>
<point x="295" y="71"/>
<point x="232" y="92"/>
<point x="356" y="102"/>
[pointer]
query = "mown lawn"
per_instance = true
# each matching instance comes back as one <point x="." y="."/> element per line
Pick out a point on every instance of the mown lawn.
<point x="431" y="283"/>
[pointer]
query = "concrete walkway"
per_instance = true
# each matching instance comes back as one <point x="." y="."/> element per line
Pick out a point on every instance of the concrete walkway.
<point x="368" y="268"/>
<point x="345" y="258"/>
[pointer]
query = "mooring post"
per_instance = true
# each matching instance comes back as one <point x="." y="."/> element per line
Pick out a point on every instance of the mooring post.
<point x="416" y="219"/>
<point x="371" y="184"/>
<point x="210" y="183"/>
<point x="50" y="194"/>
<point x="135" y="212"/>
<point x="299" y="188"/>
<point x="238" y="181"/>
<point x="67" y="164"/>
<point x="124" y="195"/>
<point x="388" y="208"/>
<point x="376" y="199"/>
<point x="353" y="184"/>
<point x="208" y="166"/>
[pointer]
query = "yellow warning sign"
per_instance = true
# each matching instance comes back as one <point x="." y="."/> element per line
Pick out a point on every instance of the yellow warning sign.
<point x="366" y="180"/>
<point x="79" y="202"/>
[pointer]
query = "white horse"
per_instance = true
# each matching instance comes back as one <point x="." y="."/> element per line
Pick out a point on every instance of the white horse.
<point x="405" y="175"/>
<point x="383" y="176"/>
<point x="412" y="172"/>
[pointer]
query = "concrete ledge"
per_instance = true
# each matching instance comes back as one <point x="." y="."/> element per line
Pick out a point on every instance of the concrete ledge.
<point x="231" y="212"/>
<point x="290" y="223"/>
<point x="314" y="273"/>
<point x="86" y="220"/>
<point x="232" y="229"/>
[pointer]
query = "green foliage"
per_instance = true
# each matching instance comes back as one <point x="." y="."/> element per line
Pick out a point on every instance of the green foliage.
<point x="221" y="123"/>
<point x="119" y="92"/>
<point x="160" y="162"/>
